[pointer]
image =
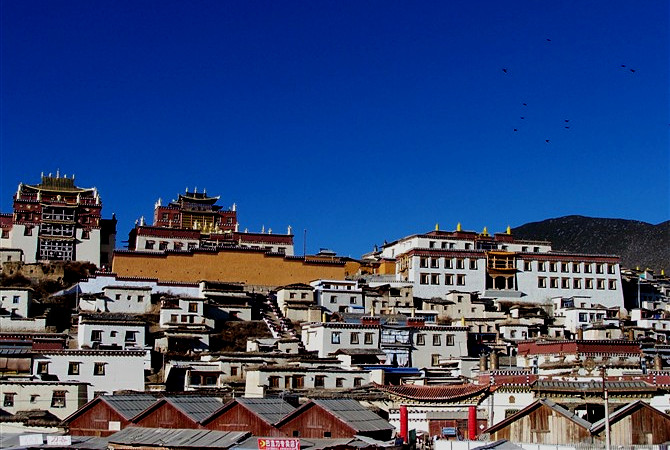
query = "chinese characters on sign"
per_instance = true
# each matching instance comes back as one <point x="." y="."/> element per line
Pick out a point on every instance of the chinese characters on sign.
<point x="278" y="444"/>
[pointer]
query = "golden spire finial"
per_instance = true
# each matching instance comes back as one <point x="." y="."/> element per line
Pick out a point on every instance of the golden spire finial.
<point x="663" y="272"/>
<point x="437" y="227"/>
<point x="458" y="227"/>
<point x="509" y="229"/>
<point x="485" y="232"/>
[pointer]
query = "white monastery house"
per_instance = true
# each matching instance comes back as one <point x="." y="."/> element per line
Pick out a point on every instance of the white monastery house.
<point x="502" y="267"/>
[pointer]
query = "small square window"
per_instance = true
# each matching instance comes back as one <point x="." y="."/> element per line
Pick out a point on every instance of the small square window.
<point x="437" y="339"/>
<point x="58" y="399"/>
<point x="73" y="368"/>
<point x="99" y="368"/>
<point x="421" y="339"/>
<point x="368" y="338"/>
<point x="9" y="399"/>
<point x="335" y="337"/>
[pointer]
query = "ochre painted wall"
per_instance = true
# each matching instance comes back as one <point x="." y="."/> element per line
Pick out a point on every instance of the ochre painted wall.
<point x="255" y="268"/>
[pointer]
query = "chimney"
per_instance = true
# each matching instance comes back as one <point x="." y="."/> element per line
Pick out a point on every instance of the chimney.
<point x="483" y="363"/>
<point x="494" y="360"/>
<point x="658" y="362"/>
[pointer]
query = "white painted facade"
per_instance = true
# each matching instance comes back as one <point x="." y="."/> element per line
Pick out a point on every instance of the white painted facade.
<point x="119" y="299"/>
<point x="96" y="284"/>
<point x="438" y="262"/>
<point x="126" y="334"/>
<point x="10" y="254"/>
<point x="106" y="371"/>
<point x="328" y="337"/>
<point x="59" y="398"/>
<point x="426" y="346"/>
<point x="23" y="237"/>
<point x="338" y="295"/>
<point x="182" y="312"/>
<point x="261" y="379"/>
<point x="16" y="300"/>
<point x="33" y="324"/>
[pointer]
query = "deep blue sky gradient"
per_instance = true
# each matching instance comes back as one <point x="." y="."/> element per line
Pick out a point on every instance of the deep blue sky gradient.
<point x="358" y="121"/>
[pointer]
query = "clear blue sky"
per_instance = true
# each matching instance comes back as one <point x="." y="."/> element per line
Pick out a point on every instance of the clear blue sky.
<point x="358" y="121"/>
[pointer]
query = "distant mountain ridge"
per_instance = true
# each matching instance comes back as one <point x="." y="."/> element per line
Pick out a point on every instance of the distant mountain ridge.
<point x="637" y="243"/>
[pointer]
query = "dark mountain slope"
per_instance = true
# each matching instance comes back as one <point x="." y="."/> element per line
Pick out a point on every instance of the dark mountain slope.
<point x="637" y="243"/>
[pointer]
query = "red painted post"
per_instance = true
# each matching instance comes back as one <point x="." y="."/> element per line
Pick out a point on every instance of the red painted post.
<point x="403" y="423"/>
<point x="472" y="422"/>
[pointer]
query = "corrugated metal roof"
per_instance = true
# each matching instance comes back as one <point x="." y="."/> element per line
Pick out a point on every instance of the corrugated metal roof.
<point x="270" y="409"/>
<point x="165" y="437"/>
<point x="593" y="385"/>
<point x="354" y="414"/>
<point x="313" y="444"/>
<point x="129" y="405"/>
<point x="197" y="408"/>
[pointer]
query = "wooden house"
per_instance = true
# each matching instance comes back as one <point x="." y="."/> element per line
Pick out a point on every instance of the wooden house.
<point x="257" y="415"/>
<point x="107" y="414"/>
<point x="178" y="412"/>
<point x="637" y="423"/>
<point x="340" y="418"/>
<point x="543" y="422"/>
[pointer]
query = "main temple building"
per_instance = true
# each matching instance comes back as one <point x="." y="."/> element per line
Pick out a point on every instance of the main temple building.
<point x="56" y="220"/>
<point x="194" y="221"/>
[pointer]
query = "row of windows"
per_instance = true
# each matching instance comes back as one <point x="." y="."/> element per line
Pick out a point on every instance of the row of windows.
<point x="354" y="338"/>
<point x="352" y="299"/>
<point x="72" y="369"/>
<point x="434" y="278"/>
<point x="576" y="283"/>
<point x="57" y="399"/>
<point x="447" y="263"/>
<point x="163" y="245"/>
<point x="437" y="339"/>
<point x="298" y="381"/>
<point x="15" y="299"/>
<point x="140" y="298"/>
<point x="566" y="267"/>
<point x="96" y="335"/>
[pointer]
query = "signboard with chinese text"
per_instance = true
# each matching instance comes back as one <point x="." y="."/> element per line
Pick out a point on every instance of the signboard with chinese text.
<point x="278" y="444"/>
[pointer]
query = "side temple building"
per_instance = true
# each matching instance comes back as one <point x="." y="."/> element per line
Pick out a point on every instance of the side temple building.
<point x="56" y="220"/>
<point x="501" y="267"/>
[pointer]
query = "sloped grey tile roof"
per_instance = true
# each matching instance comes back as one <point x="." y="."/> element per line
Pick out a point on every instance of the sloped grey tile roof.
<point x="270" y="409"/>
<point x="354" y="414"/>
<point x="129" y="405"/>
<point x="166" y="437"/>
<point x="197" y="408"/>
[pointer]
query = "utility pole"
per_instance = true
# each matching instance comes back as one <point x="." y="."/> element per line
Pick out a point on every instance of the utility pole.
<point x="607" y="411"/>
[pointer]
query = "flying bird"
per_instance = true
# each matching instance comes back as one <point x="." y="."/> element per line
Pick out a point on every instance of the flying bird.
<point x="566" y="127"/>
<point x="504" y="70"/>
<point x="516" y="129"/>
<point x="548" y="40"/>
<point x="567" y="120"/>
<point x="522" y="117"/>
<point x="547" y="141"/>
<point x="524" y="104"/>
<point x="632" y="70"/>
<point x="623" y="65"/>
